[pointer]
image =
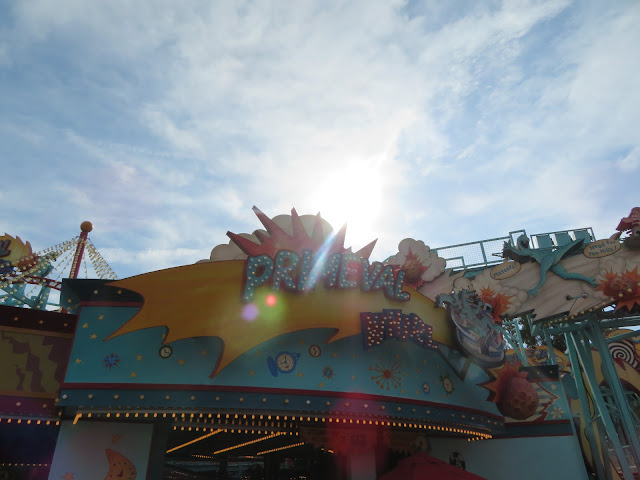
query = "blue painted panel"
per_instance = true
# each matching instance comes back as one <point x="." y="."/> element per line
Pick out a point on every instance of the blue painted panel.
<point x="395" y="368"/>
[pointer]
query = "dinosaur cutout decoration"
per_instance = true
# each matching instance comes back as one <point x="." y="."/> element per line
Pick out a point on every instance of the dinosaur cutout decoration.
<point x="582" y="278"/>
<point x="549" y="260"/>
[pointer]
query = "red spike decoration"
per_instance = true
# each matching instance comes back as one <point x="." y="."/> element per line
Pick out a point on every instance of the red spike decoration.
<point x="278" y="239"/>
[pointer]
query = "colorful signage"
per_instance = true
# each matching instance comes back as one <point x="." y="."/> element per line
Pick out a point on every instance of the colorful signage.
<point x="294" y="273"/>
<point x="505" y="270"/>
<point x="602" y="248"/>
<point x="211" y="304"/>
<point x="393" y="324"/>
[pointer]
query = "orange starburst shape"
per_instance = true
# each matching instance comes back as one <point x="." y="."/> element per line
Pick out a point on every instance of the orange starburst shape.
<point x="499" y="303"/>
<point x="413" y="270"/>
<point x="623" y="287"/>
<point x="514" y="395"/>
<point x="501" y="377"/>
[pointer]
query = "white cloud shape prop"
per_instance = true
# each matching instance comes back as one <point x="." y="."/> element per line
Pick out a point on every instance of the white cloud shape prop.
<point x="418" y="261"/>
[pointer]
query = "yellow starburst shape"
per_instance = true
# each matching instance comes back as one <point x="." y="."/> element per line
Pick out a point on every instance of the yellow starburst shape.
<point x="14" y="251"/>
<point x="211" y="305"/>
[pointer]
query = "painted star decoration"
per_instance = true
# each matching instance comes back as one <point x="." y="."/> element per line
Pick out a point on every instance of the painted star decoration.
<point x="111" y="360"/>
<point x="68" y="476"/>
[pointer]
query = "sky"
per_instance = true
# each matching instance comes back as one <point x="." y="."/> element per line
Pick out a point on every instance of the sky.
<point x="163" y="123"/>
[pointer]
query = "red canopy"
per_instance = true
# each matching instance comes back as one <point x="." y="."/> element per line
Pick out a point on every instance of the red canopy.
<point x="421" y="466"/>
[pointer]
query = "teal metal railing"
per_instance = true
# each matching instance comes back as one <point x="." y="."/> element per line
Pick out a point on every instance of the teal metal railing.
<point x="484" y="253"/>
<point x="477" y="254"/>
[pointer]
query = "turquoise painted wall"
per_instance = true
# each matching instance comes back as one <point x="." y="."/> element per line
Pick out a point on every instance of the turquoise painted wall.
<point x="394" y="368"/>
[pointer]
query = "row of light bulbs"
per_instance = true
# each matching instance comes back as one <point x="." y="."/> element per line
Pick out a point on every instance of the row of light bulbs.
<point x="263" y="421"/>
<point x="101" y="266"/>
<point x="575" y="316"/>
<point x="30" y="421"/>
<point x="476" y="435"/>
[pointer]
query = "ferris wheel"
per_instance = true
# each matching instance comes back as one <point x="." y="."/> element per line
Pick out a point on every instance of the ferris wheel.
<point x="33" y="279"/>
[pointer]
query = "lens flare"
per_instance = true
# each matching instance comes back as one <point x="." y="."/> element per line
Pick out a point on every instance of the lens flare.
<point x="271" y="300"/>
<point x="320" y="259"/>
<point x="250" y="312"/>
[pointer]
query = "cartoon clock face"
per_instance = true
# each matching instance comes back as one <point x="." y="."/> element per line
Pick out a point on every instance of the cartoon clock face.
<point x="447" y="384"/>
<point x="285" y="362"/>
<point x="165" y="351"/>
<point x="314" y="351"/>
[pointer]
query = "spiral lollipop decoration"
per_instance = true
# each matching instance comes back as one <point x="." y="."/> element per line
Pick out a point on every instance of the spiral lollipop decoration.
<point x="625" y="351"/>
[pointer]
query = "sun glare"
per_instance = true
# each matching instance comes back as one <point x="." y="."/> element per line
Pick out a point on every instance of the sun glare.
<point x="351" y="195"/>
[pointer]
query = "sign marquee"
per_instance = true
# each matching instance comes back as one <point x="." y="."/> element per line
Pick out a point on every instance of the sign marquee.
<point x="340" y="270"/>
<point x="393" y="324"/>
<point x="602" y="248"/>
<point x="505" y="270"/>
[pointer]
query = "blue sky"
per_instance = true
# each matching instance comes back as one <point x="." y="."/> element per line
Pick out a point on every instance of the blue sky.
<point x="164" y="122"/>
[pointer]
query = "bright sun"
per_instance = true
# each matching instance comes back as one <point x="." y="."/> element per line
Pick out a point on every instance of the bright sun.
<point x="351" y="195"/>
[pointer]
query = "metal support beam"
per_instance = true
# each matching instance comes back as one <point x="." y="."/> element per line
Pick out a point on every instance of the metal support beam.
<point x="613" y="380"/>
<point x="582" y="345"/>
<point x="550" y="348"/>
<point x="622" y="336"/>
<point x="515" y="341"/>
<point x="596" y="455"/>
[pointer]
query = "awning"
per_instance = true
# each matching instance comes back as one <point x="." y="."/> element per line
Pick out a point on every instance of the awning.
<point x="421" y="466"/>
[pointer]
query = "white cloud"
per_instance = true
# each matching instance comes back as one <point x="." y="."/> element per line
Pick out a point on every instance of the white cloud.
<point x="631" y="161"/>
<point x="603" y="94"/>
<point x="160" y="124"/>
<point x="504" y="116"/>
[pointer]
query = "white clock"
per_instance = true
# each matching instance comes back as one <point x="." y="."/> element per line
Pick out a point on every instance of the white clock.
<point x="165" y="351"/>
<point x="285" y="362"/>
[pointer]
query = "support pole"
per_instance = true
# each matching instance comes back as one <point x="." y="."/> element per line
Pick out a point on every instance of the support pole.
<point x="612" y="378"/>
<point x="588" y="419"/>
<point x="85" y="228"/>
<point x="583" y="348"/>
<point x="550" y="348"/>
<point x="514" y="340"/>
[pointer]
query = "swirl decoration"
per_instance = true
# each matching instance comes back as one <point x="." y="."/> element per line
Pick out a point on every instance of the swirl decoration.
<point x="625" y="351"/>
